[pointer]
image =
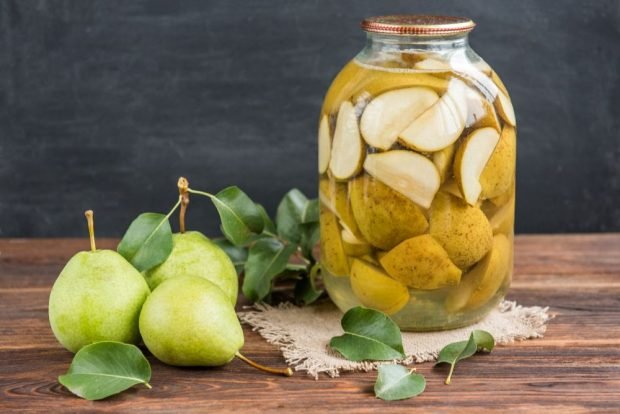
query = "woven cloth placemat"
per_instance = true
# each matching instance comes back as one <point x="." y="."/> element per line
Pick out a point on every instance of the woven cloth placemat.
<point x="303" y="334"/>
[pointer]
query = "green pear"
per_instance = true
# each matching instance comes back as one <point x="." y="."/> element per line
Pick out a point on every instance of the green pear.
<point x="97" y="297"/>
<point x="194" y="254"/>
<point x="189" y="321"/>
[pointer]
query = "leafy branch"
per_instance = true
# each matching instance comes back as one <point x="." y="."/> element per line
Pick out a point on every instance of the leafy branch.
<point x="261" y="249"/>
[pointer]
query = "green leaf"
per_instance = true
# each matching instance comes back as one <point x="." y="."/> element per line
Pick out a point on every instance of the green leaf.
<point x="241" y="218"/>
<point x="268" y="224"/>
<point x="147" y="242"/>
<point x="310" y="234"/>
<point x="103" y="369"/>
<point x="310" y="214"/>
<point x="396" y="382"/>
<point x="305" y="288"/>
<point x="457" y="351"/>
<point x="267" y="258"/>
<point x="289" y="215"/>
<point x="369" y="335"/>
<point x="238" y="255"/>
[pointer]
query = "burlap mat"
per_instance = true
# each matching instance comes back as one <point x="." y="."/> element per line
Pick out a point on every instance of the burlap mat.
<point x="303" y="334"/>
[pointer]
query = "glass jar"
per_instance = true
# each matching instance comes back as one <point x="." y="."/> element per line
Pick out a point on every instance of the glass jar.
<point x="417" y="151"/>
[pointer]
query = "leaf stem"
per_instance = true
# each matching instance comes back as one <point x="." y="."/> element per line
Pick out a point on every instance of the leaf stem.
<point x="165" y="218"/>
<point x="287" y="372"/>
<point x="270" y="234"/>
<point x="183" y="186"/>
<point x="203" y="193"/>
<point x="91" y="228"/>
<point x="147" y="385"/>
<point x="169" y="213"/>
<point x="447" y="382"/>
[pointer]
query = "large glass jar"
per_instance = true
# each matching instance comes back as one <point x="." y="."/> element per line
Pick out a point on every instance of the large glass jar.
<point x="417" y="148"/>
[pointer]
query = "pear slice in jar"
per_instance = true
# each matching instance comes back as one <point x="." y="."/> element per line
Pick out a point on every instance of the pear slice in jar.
<point x="480" y="112"/>
<point x="411" y="174"/>
<point x="441" y="124"/>
<point x="484" y="280"/>
<point x="347" y="149"/>
<point x="335" y="196"/>
<point x="443" y="161"/>
<point x="498" y="174"/>
<point x="483" y="67"/>
<point x="462" y="230"/>
<point x="333" y="256"/>
<point x="503" y="219"/>
<point x="391" y="112"/>
<point x="421" y="263"/>
<point x="343" y="86"/>
<point x="502" y="102"/>
<point x="384" y="216"/>
<point x="433" y="64"/>
<point x="326" y="195"/>
<point x="502" y="199"/>
<point x="498" y="82"/>
<point x="380" y="81"/>
<point x="471" y="158"/>
<point x="325" y="144"/>
<point x="354" y="246"/>
<point x="377" y="290"/>
<point x="504" y="108"/>
<point x="451" y="187"/>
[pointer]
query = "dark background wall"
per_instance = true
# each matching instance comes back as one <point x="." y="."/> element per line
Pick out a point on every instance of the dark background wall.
<point x="103" y="104"/>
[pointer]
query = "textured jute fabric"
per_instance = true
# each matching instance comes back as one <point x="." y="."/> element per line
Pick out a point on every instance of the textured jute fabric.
<point x="303" y="334"/>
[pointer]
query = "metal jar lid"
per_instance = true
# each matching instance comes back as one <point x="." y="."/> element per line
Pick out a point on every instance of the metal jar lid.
<point x="421" y="25"/>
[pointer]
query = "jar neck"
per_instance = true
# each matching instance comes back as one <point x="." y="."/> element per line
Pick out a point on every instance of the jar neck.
<point x="385" y="43"/>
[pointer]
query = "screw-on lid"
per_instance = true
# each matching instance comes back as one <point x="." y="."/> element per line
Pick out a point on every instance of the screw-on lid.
<point x="421" y="25"/>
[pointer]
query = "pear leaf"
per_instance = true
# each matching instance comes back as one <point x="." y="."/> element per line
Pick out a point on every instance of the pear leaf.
<point x="457" y="351"/>
<point x="396" y="382"/>
<point x="310" y="213"/>
<point x="103" y="369"/>
<point x="240" y="216"/>
<point x="306" y="291"/>
<point x="369" y="335"/>
<point x="238" y="255"/>
<point x="147" y="242"/>
<point x="267" y="258"/>
<point x="310" y="234"/>
<point x="269" y="226"/>
<point x="290" y="214"/>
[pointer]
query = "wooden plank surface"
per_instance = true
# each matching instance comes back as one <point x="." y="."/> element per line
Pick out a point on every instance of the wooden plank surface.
<point x="575" y="368"/>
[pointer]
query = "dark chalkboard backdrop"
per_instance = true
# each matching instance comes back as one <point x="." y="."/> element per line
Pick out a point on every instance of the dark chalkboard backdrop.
<point x="103" y="104"/>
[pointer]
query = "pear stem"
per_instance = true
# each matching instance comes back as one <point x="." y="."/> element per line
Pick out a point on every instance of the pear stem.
<point x="183" y="186"/>
<point x="91" y="228"/>
<point x="287" y="372"/>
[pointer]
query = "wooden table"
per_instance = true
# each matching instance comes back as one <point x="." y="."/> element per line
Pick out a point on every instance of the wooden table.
<point x="575" y="368"/>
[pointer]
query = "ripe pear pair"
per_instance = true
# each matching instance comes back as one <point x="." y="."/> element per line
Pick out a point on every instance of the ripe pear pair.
<point x="99" y="295"/>
<point x="190" y="319"/>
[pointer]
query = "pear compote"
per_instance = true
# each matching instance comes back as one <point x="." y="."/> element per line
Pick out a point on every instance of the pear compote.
<point x="417" y="151"/>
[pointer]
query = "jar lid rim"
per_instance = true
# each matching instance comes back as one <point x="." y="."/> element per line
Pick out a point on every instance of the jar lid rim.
<point x="417" y="24"/>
